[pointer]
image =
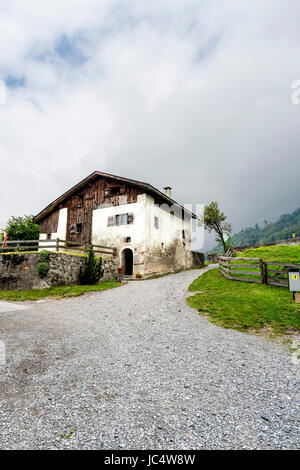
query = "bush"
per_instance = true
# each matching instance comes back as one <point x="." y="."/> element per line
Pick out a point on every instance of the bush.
<point x="43" y="269"/>
<point x="22" y="228"/>
<point x="43" y="266"/>
<point x="92" y="271"/>
<point x="44" y="256"/>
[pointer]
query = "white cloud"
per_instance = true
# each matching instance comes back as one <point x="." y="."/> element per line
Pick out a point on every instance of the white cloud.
<point x="187" y="93"/>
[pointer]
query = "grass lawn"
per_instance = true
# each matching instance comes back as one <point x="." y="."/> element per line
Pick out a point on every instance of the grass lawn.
<point x="244" y="306"/>
<point x="56" y="292"/>
<point x="276" y="253"/>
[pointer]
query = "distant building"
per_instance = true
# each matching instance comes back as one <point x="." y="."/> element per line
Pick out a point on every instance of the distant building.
<point x="152" y="233"/>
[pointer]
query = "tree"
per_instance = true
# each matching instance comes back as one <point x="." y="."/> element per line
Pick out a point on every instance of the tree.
<point x="92" y="271"/>
<point x="214" y="219"/>
<point x="22" y="228"/>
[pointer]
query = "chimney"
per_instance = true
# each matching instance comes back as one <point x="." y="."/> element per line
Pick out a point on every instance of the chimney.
<point x="168" y="191"/>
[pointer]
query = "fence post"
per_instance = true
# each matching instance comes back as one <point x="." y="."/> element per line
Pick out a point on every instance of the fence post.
<point x="266" y="273"/>
<point x="57" y="244"/>
<point x="262" y="271"/>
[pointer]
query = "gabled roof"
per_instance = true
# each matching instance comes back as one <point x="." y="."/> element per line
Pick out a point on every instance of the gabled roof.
<point x="147" y="187"/>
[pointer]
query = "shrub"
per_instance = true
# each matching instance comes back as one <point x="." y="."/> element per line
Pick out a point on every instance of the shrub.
<point x="44" y="256"/>
<point x="92" y="271"/>
<point x="43" y="269"/>
<point x="22" y="228"/>
<point x="43" y="266"/>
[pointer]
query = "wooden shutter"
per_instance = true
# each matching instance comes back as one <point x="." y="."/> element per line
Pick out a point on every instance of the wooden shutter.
<point x="130" y="219"/>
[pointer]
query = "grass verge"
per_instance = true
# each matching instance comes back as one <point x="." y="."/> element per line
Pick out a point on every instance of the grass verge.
<point x="56" y="292"/>
<point x="276" y="253"/>
<point x="245" y="307"/>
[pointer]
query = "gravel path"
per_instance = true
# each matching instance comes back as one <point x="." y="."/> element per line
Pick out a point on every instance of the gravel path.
<point x="136" y="368"/>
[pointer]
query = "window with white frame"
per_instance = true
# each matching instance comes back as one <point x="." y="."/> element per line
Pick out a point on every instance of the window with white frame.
<point x="120" y="219"/>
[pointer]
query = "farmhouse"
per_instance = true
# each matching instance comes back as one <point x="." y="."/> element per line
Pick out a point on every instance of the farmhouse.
<point x="151" y="232"/>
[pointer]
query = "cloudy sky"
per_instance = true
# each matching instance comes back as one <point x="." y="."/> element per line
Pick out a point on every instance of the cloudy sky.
<point x="195" y="94"/>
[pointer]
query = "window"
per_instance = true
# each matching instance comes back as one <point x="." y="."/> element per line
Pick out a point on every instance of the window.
<point x="120" y="219"/>
<point x="156" y="222"/>
<point x="78" y="228"/>
<point x="183" y="234"/>
<point x="127" y="239"/>
<point x="49" y="236"/>
<point x="115" y="191"/>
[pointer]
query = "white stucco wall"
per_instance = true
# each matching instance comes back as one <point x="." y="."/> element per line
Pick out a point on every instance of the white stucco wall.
<point x="144" y="236"/>
<point x="170" y="226"/>
<point x="61" y="229"/>
<point x="114" y="236"/>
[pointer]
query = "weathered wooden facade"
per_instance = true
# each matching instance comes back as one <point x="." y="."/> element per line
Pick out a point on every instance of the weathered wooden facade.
<point x="97" y="191"/>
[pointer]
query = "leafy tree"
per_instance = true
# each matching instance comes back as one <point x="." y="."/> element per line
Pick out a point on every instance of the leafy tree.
<point x="214" y="219"/>
<point x="22" y="228"/>
<point x="282" y="229"/>
<point x="92" y="271"/>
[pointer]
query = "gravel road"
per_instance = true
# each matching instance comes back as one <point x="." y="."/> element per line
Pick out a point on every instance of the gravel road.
<point x="136" y="368"/>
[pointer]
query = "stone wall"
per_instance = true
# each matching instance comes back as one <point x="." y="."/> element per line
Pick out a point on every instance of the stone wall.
<point x="213" y="257"/>
<point x="173" y="258"/>
<point x="198" y="259"/>
<point x="19" y="271"/>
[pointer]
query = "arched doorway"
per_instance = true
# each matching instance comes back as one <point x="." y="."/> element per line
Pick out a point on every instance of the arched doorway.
<point x="127" y="261"/>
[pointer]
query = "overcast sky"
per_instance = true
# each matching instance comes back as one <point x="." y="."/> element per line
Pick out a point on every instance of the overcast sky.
<point x="194" y="94"/>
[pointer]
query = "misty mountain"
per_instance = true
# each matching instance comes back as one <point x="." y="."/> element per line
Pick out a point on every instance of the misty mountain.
<point x="282" y="229"/>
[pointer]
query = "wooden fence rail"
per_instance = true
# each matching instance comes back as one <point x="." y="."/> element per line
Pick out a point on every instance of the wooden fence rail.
<point x="261" y="272"/>
<point x="56" y="244"/>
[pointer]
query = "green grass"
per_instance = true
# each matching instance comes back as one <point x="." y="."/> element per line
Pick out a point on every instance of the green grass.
<point x="56" y="292"/>
<point x="276" y="253"/>
<point x="244" y="306"/>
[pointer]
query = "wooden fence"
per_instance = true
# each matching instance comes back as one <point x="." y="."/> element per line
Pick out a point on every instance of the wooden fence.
<point x="255" y="270"/>
<point x="56" y="244"/>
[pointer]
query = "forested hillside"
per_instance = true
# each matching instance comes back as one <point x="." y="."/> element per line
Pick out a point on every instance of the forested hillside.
<point x="286" y="225"/>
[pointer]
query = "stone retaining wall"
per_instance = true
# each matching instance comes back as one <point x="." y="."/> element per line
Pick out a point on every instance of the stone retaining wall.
<point x="18" y="271"/>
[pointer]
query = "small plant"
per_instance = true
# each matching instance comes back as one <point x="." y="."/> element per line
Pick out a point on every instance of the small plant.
<point x="92" y="271"/>
<point x="138" y="276"/>
<point x="44" y="256"/>
<point x="68" y="435"/>
<point x="43" y="265"/>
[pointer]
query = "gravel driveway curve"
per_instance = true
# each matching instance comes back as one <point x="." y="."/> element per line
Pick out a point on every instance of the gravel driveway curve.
<point x="136" y="368"/>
